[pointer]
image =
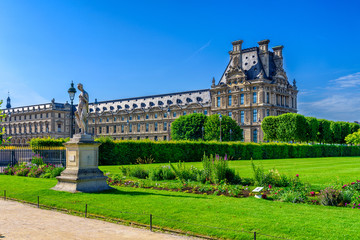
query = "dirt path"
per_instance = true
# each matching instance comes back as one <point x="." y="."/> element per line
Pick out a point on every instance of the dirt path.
<point x="20" y="221"/>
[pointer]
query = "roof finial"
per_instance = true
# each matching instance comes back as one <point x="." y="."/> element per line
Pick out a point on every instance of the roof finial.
<point x="213" y="82"/>
<point x="8" y="101"/>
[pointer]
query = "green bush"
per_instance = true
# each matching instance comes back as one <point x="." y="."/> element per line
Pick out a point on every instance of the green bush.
<point x="272" y="177"/>
<point x="138" y="172"/>
<point x="330" y="196"/>
<point x="47" y="142"/>
<point x="161" y="173"/>
<point x="289" y="195"/>
<point x="216" y="170"/>
<point x="37" y="159"/>
<point x="185" y="174"/>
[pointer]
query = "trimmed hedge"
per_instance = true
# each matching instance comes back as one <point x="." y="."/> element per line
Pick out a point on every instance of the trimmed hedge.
<point x="127" y="152"/>
<point x="47" y="142"/>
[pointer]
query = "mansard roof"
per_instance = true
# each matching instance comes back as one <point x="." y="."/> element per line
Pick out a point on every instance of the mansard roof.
<point x="36" y="107"/>
<point x="251" y="64"/>
<point x="147" y="102"/>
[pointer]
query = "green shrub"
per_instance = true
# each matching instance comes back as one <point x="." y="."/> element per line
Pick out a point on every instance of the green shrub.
<point x="138" y="172"/>
<point x="47" y="142"/>
<point x="290" y="195"/>
<point x="216" y="169"/>
<point x="272" y="177"/>
<point x="161" y="173"/>
<point x="56" y="172"/>
<point x="37" y="159"/>
<point x="347" y="195"/>
<point x="183" y="173"/>
<point x="330" y="196"/>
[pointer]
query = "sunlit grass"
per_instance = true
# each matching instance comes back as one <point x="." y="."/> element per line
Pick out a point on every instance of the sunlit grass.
<point x="172" y="209"/>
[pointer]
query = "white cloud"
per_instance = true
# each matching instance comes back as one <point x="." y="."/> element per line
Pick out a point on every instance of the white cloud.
<point x="344" y="107"/>
<point x="348" y="81"/>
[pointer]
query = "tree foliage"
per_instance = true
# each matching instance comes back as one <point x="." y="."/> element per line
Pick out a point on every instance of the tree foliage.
<point x="345" y="130"/>
<point x="312" y="129"/>
<point x="291" y="127"/>
<point x="188" y="127"/>
<point x="295" y="127"/>
<point x="324" y="134"/>
<point x="353" y="138"/>
<point x="2" y="130"/>
<point x="269" y="126"/>
<point x="212" y="129"/>
<point x="335" y="129"/>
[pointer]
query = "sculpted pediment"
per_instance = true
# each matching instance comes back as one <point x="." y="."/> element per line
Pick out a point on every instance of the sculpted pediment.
<point x="235" y="72"/>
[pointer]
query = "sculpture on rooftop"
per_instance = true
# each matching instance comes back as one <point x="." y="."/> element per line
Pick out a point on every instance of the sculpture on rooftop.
<point x="83" y="109"/>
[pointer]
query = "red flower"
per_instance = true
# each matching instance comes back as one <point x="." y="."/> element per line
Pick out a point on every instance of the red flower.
<point x="352" y="183"/>
<point x="344" y="186"/>
<point x="312" y="193"/>
<point x="297" y="175"/>
<point x="270" y="186"/>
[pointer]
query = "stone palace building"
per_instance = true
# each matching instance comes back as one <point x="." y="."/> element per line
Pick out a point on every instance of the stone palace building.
<point x="254" y="85"/>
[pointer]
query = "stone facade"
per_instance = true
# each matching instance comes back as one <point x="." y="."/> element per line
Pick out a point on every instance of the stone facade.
<point x="43" y="120"/>
<point x="254" y="85"/>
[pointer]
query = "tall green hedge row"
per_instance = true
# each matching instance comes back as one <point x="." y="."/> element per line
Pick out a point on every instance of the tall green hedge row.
<point x="127" y="152"/>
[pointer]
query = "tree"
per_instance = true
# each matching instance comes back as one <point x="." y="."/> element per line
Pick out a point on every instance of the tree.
<point x="335" y="129"/>
<point x="212" y="129"/>
<point x="292" y="127"/>
<point x="353" y="138"/>
<point x="269" y="126"/>
<point x="354" y="127"/>
<point x="345" y="130"/>
<point x="188" y="127"/>
<point x="324" y="134"/>
<point x="2" y="130"/>
<point x="312" y="128"/>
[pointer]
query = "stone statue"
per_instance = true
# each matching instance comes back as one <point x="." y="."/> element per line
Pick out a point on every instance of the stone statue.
<point x="83" y="108"/>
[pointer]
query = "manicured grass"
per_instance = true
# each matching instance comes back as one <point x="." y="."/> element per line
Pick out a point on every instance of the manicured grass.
<point x="319" y="172"/>
<point x="293" y="221"/>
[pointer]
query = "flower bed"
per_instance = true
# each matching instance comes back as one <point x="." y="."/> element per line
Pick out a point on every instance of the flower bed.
<point x="218" y="179"/>
<point x="34" y="170"/>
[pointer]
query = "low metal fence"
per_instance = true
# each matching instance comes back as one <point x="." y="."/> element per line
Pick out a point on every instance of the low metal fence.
<point x="12" y="155"/>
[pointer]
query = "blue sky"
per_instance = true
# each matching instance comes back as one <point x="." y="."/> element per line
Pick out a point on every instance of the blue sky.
<point x="121" y="49"/>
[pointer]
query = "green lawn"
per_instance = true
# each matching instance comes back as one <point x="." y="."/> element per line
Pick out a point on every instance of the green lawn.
<point x="319" y="172"/>
<point x="293" y="221"/>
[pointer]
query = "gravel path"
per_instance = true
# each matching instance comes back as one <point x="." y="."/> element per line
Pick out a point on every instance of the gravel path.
<point x="20" y="221"/>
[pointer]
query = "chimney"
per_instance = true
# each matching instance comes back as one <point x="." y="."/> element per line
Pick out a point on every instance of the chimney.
<point x="263" y="45"/>
<point x="278" y="51"/>
<point x="237" y="46"/>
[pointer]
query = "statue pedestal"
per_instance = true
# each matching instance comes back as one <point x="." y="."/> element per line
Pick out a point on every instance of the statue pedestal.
<point x="82" y="173"/>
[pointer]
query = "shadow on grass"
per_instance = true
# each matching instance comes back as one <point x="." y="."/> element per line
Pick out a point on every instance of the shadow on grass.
<point x="115" y="191"/>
